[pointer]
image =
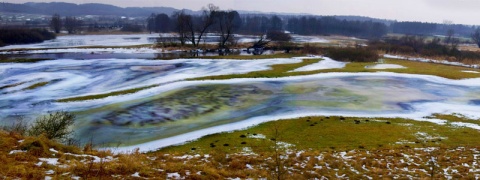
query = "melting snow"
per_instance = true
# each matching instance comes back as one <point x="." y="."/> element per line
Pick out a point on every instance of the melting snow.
<point x="431" y="60"/>
<point x="16" y="151"/>
<point x="476" y="72"/>
<point x="51" y="161"/>
<point x="385" y="66"/>
<point x="326" y="63"/>
<point x="173" y="176"/>
<point x="136" y="174"/>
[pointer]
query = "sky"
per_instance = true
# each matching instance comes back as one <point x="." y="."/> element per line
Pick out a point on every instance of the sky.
<point x="455" y="11"/>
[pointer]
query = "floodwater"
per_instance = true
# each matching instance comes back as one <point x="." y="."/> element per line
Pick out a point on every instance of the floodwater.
<point x="176" y="106"/>
<point x="173" y="108"/>
<point x="90" y="47"/>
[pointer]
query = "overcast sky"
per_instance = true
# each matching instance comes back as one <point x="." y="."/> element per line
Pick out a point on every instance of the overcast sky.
<point x="456" y="11"/>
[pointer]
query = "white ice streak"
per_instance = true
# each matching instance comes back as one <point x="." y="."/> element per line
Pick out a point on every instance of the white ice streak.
<point x="385" y="66"/>
<point x="475" y="72"/>
<point x="326" y="63"/>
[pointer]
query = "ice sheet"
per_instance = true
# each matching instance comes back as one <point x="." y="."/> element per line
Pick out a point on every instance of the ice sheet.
<point x="90" y="40"/>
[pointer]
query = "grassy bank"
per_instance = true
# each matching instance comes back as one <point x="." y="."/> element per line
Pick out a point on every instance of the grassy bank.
<point x="301" y="148"/>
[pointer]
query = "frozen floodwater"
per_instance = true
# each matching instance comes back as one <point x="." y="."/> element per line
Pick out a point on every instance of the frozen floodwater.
<point x="90" y="40"/>
<point x="132" y="40"/>
<point x="176" y="109"/>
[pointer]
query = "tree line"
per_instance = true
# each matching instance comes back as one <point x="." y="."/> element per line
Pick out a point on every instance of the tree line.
<point x="70" y="23"/>
<point x="24" y="36"/>
<point x="262" y="24"/>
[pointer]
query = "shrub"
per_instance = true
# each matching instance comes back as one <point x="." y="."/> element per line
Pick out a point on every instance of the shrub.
<point x="353" y="54"/>
<point x="279" y="36"/>
<point x="55" y="125"/>
<point x="19" y="126"/>
<point x="24" y="36"/>
<point x="310" y="49"/>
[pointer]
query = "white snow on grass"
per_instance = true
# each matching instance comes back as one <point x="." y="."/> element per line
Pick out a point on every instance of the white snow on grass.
<point x="17" y="151"/>
<point x="385" y="66"/>
<point x="257" y="136"/>
<point x="469" y="125"/>
<point x="326" y="63"/>
<point x="308" y="39"/>
<point x="136" y="174"/>
<point x="51" y="161"/>
<point x="173" y="176"/>
<point x="476" y="66"/>
<point x="475" y="72"/>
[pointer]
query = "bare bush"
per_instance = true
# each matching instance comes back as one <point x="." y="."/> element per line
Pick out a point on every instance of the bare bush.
<point x="55" y="125"/>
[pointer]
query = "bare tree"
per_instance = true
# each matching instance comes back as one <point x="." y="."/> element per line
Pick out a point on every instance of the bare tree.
<point x="151" y="25"/>
<point x="56" y="23"/>
<point x="206" y="20"/>
<point x="476" y="37"/>
<point x="184" y="25"/>
<point x="450" y="37"/>
<point x="72" y="24"/>
<point x="193" y="29"/>
<point x="227" y="23"/>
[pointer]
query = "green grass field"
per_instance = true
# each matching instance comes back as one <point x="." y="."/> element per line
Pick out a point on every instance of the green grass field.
<point x="335" y="133"/>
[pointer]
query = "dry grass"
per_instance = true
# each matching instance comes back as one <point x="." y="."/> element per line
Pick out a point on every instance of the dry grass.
<point x="391" y="162"/>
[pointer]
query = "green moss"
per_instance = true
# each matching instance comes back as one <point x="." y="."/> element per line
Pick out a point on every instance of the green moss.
<point x="11" y="85"/>
<point x="36" y="85"/>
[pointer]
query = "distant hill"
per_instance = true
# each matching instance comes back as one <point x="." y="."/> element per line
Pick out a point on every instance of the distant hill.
<point x="70" y="9"/>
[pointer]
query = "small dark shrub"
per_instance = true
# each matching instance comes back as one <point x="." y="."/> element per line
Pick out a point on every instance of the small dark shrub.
<point x="353" y="54"/>
<point x="55" y="125"/>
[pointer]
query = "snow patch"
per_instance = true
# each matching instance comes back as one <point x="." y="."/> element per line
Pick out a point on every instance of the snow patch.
<point x="173" y="176"/>
<point x="51" y="161"/>
<point x="475" y="72"/>
<point x="385" y="66"/>
<point x="326" y="63"/>
<point x="17" y="151"/>
<point x="476" y="66"/>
